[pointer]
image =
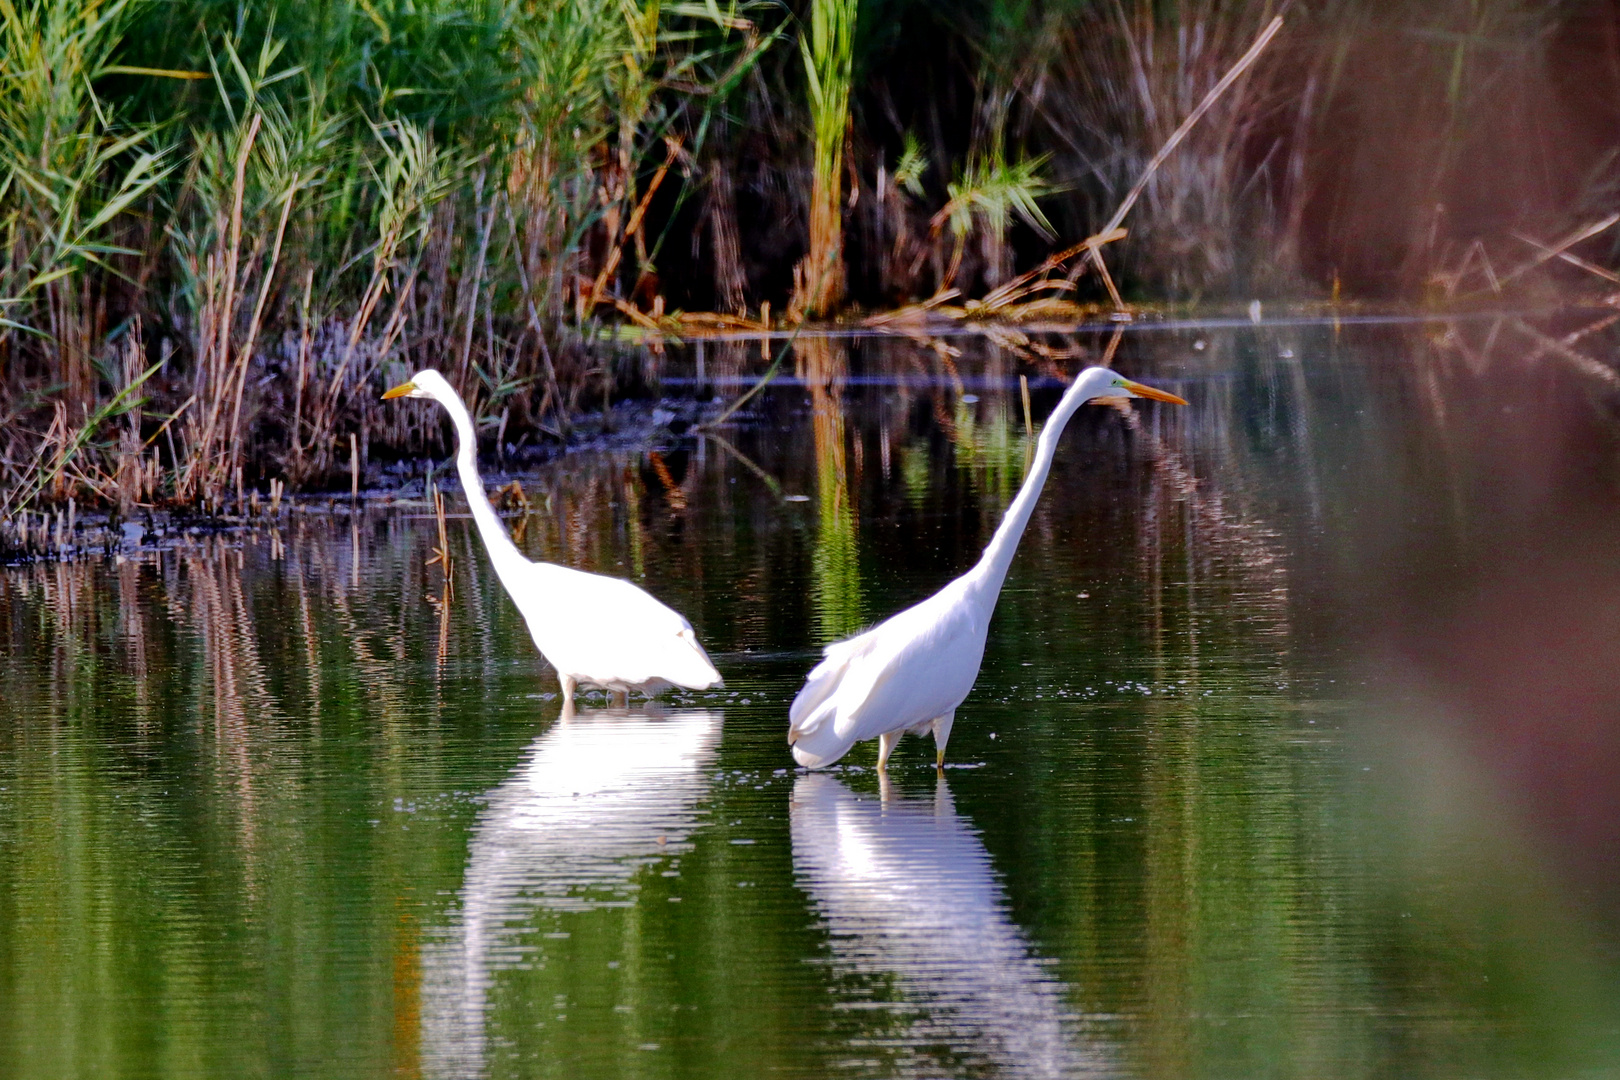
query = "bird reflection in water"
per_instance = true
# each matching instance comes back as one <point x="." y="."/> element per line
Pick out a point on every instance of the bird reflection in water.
<point x="918" y="922"/>
<point x="600" y="795"/>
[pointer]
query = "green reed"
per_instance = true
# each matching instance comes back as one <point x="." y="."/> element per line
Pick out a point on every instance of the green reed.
<point x="298" y="201"/>
<point x="828" y="51"/>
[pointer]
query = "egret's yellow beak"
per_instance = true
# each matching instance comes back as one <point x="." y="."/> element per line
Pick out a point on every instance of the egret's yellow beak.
<point x="405" y="388"/>
<point x="1138" y="389"/>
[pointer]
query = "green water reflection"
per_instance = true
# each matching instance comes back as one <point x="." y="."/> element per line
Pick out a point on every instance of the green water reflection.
<point x="1292" y="754"/>
<point x="840" y="606"/>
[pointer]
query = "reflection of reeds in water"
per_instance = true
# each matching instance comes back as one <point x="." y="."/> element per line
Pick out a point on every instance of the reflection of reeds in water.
<point x="200" y="591"/>
<point x="987" y="436"/>
<point x="840" y="605"/>
<point x="131" y="630"/>
<point x="590" y="511"/>
<point x="207" y="597"/>
<point x="442" y="558"/>
<point x="1217" y="620"/>
<point x="189" y="736"/>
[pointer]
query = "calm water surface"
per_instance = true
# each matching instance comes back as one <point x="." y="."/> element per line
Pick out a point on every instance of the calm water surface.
<point x="1294" y="753"/>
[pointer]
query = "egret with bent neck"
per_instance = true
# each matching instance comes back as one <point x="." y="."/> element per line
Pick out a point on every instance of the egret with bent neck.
<point x="910" y="672"/>
<point x="595" y="630"/>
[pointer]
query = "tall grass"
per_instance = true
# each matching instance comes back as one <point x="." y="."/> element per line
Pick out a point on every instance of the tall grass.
<point x="300" y="201"/>
<point x="1128" y="72"/>
<point x="226" y="226"/>
<point x="228" y="240"/>
<point x="828" y="50"/>
<point x="1380" y="139"/>
<point x="986" y="197"/>
<point x="68" y="170"/>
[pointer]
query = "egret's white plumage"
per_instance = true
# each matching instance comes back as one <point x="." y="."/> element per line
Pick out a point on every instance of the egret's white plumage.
<point x="910" y="672"/>
<point x="595" y="630"/>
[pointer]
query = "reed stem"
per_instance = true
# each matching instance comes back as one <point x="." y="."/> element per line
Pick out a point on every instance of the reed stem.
<point x="828" y="55"/>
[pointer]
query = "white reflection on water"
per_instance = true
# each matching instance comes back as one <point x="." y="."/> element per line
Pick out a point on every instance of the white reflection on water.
<point x="600" y="795"/>
<point x="917" y="920"/>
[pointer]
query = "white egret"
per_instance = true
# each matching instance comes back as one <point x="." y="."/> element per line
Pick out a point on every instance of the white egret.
<point x="595" y="630"/>
<point x="910" y="672"/>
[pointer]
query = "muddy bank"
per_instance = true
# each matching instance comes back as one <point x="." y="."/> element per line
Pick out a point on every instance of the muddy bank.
<point x="69" y="532"/>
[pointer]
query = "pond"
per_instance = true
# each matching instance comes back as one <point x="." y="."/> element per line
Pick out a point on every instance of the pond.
<point x="1293" y="753"/>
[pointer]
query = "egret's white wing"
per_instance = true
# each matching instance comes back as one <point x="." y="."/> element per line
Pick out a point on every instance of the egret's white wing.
<point x="825" y="678"/>
<point x="914" y="915"/>
<point x="922" y="669"/>
<point x="917" y="665"/>
<point x="605" y="629"/>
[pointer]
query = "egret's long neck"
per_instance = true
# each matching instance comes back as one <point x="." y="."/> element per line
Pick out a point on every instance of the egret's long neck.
<point x="502" y="552"/>
<point x="991" y="570"/>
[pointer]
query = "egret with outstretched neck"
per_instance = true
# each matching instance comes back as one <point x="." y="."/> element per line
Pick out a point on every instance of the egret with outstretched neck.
<point x="595" y="630"/>
<point x="910" y="672"/>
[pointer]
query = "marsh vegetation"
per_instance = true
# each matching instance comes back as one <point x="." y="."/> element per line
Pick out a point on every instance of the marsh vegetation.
<point x="228" y="225"/>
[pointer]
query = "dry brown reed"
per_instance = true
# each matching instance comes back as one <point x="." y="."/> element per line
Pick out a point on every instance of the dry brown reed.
<point x="1022" y="299"/>
<point x="307" y="251"/>
<point x="828" y="51"/>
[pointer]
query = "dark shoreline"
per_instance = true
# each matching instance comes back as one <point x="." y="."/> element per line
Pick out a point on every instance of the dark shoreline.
<point x="70" y="534"/>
